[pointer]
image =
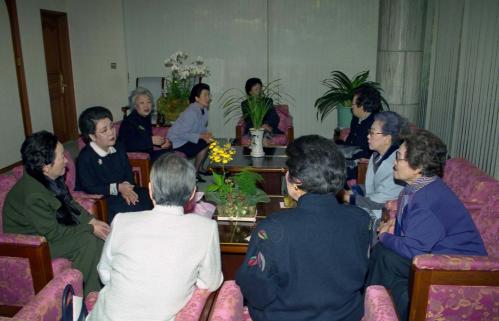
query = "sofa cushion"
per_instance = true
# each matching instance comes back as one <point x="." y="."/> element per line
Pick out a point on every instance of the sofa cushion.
<point x="453" y="302"/>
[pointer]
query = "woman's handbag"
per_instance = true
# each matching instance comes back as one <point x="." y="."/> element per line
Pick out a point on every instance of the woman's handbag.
<point x="68" y="306"/>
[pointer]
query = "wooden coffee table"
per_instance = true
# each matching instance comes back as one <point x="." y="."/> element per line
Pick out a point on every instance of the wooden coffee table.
<point x="233" y="243"/>
<point x="272" y="166"/>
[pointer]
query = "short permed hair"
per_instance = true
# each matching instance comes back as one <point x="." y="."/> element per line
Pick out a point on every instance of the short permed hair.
<point x="316" y="164"/>
<point x="139" y="91"/>
<point x="37" y="151"/>
<point x="394" y="125"/>
<point x="425" y="151"/>
<point x="196" y="91"/>
<point x="250" y="83"/>
<point x="369" y="98"/>
<point x="173" y="178"/>
<point x="89" y="118"/>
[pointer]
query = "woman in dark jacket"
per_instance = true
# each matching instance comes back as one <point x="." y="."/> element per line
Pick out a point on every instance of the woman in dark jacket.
<point x="253" y="88"/>
<point x="309" y="262"/>
<point x="136" y="129"/>
<point x="103" y="168"/>
<point x="40" y="204"/>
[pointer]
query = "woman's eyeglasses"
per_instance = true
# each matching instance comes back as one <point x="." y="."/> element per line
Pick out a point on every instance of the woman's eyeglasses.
<point x="371" y="132"/>
<point x="399" y="157"/>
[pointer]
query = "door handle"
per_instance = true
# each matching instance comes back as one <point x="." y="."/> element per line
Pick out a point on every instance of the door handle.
<point x="62" y="85"/>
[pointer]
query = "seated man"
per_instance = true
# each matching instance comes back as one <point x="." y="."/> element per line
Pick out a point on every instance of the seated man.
<point x="152" y="261"/>
<point x="430" y="219"/>
<point x="103" y="167"/>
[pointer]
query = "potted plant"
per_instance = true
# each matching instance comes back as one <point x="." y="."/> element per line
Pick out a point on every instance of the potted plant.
<point x="236" y="196"/>
<point x="340" y="94"/>
<point x="179" y="85"/>
<point x="258" y="108"/>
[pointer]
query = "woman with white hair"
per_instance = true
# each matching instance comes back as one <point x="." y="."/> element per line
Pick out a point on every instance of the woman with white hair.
<point x="152" y="260"/>
<point x="136" y="129"/>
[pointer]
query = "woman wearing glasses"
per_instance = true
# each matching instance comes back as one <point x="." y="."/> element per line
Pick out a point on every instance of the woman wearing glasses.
<point x="430" y="219"/>
<point x="103" y="167"/>
<point x="384" y="138"/>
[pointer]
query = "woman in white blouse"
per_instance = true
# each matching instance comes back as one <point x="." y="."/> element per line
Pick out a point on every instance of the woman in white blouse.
<point x="153" y="260"/>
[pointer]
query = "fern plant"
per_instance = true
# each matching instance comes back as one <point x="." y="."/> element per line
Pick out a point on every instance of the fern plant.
<point x="341" y="90"/>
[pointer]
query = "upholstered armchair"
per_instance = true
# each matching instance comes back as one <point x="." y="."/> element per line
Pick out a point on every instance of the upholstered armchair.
<point x="197" y="309"/>
<point x="285" y="125"/>
<point x="25" y="269"/>
<point x="461" y="287"/>
<point x="46" y="305"/>
<point x="378" y="305"/>
<point x="228" y="305"/>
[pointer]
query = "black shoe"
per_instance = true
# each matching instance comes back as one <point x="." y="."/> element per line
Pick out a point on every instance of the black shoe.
<point x="205" y="173"/>
<point x="199" y="179"/>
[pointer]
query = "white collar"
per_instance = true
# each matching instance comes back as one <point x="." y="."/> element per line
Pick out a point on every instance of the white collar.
<point x="169" y="209"/>
<point x="100" y="151"/>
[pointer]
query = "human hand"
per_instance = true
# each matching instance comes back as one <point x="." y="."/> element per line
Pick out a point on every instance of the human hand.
<point x="206" y="136"/>
<point x="346" y="196"/>
<point x="387" y="227"/>
<point x="167" y="144"/>
<point x="127" y="192"/>
<point x="158" y="140"/>
<point x="101" y="229"/>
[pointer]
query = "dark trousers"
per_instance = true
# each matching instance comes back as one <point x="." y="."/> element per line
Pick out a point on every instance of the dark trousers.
<point x="392" y="271"/>
<point x="117" y="204"/>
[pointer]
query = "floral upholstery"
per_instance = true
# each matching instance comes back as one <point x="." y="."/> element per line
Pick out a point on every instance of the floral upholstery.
<point x="16" y="283"/>
<point x="452" y="302"/>
<point x="246" y="315"/>
<point x="378" y="305"/>
<point x="46" y="305"/>
<point x="285" y="122"/>
<point x="190" y="312"/>
<point x="229" y="303"/>
<point x="193" y="309"/>
<point x="91" y="299"/>
<point x="456" y="262"/>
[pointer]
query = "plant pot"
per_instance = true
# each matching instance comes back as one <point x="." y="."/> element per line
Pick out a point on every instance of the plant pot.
<point x="344" y="116"/>
<point x="236" y="212"/>
<point x="257" y="142"/>
<point x="171" y="108"/>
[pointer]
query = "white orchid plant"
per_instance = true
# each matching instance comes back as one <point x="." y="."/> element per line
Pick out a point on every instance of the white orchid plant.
<point x="183" y="77"/>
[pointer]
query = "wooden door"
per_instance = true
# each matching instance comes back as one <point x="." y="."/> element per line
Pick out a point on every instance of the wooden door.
<point x="59" y="74"/>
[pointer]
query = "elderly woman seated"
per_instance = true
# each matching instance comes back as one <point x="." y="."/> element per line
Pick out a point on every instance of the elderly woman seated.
<point x="430" y="219"/>
<point x="40" y="204"/>
<point x="309" y="262"/>
<point x="384" y="139"/>
<point x="152" y="261"/>
<point x="103" y="167"/>
<point x="136" y="129"/>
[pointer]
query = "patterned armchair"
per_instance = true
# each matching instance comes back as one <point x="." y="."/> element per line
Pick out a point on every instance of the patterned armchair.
<point x="460" y="287"/>
<point x="228" y="305"/>
<point x="197" y="309"/>
<point x="25" y="264"/>
<point x="46" y="305"/>
<point x="378" y="305"/>
<point x="285" y="125"/>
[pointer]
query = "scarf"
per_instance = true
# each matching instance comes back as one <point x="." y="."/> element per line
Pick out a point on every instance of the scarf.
<point x="405" y="198"/>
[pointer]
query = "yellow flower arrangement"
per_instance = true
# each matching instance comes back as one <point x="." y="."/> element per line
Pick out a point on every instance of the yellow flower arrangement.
<point x="237" y="191"/>
<point x="221" y="154"/>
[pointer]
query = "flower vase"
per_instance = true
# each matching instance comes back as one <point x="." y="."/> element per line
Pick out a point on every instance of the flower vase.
<point x="257" y="142"/>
